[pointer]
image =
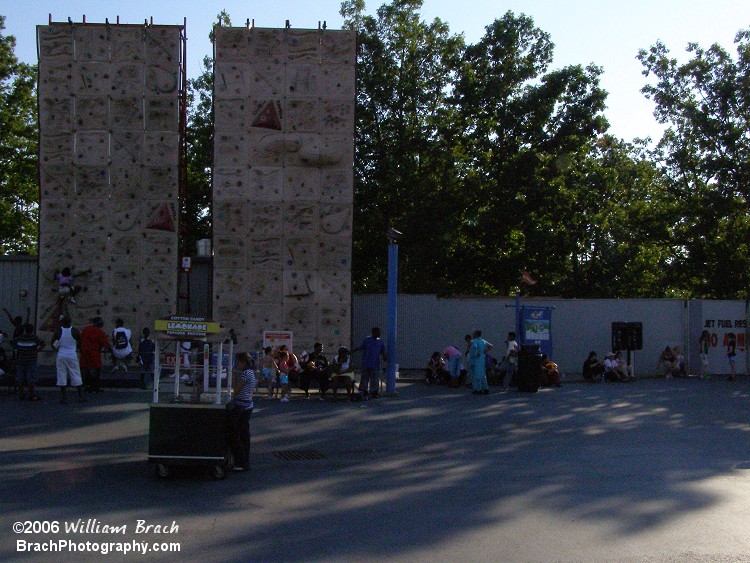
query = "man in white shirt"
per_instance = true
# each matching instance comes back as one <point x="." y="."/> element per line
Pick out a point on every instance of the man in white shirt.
<point x="509" y="365"/>
<point x="121" y="348"/>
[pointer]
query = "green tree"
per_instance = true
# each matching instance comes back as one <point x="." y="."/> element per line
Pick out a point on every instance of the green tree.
<point x="524" y="128"/>
<point x="616" y="221"/>
<point x="19" y="185"/>
<point x="705" y="155"/>
<point x="404" y="175"/>
<point x="196" y="206"/>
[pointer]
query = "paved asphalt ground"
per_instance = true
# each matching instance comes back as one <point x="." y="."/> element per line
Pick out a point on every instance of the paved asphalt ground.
<point x="650" y="471"/>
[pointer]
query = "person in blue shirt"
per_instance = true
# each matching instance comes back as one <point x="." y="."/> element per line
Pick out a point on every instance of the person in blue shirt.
<point x="373" y="352"/>
<point x="477" y="351"/>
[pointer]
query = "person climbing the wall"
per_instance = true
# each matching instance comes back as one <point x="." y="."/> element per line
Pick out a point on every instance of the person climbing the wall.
<point x="66" y="287"/>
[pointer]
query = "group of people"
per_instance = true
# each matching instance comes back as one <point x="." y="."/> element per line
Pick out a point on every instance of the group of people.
<point x="481" y="367"/>
<point x="672" y="363"/>
<point x="78" y="361"/>
<point x="613" y="368"/>
<point x="280" y="368"/>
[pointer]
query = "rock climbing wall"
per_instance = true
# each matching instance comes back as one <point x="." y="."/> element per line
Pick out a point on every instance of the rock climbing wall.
<point x="283" y="183"/>
<point x="109" y="154"/>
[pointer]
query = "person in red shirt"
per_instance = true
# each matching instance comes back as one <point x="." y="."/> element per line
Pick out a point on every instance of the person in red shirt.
<point x="93" y="342"/>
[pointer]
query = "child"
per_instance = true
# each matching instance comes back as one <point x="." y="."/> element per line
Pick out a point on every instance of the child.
<point x="268" y="371"/>
<point x="731" y="341"/>
<point x="146" y="350"/>
<point x="65" y="285"/>
<point x="285" y="366"/>
<point x="435" y="369"/>
<point x="704" y="342"/>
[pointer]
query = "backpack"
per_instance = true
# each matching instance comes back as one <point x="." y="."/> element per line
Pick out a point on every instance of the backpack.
<point x="121" y="340"/>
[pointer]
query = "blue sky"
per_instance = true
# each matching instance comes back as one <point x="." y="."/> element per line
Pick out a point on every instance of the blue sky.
<point x="606" y="33"/>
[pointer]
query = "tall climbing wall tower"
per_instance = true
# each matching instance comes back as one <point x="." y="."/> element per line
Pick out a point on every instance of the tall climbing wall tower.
<point x="110" y="138"/>
<point x="283" y="183"/>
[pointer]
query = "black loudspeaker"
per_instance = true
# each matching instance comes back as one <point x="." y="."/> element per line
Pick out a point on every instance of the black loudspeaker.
<point x="627" y="336"/>
<point x="529" y="368"/>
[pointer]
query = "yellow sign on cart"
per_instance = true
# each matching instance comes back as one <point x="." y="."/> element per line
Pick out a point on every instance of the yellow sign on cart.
<point x="187" y="326"/>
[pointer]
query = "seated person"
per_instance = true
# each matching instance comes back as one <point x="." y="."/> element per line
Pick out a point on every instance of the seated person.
<point x="291" y="361"/>
<point x="341" y="371"/>
<point x="592" y="367"/>
<point x="624" y="367"/>
<point x="667" y="362"/>
<point x="315" y="366"/>
<point x="679" y="362"/>
<point x="612" y="369"/>
<point x="550" y="373"/>
<point x="436" y="372"/>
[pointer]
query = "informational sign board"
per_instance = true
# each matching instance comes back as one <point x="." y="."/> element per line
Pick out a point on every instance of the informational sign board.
<point x="275" y="338"/>
<point x="536" y="328"/>
<point x="195" y="327"/>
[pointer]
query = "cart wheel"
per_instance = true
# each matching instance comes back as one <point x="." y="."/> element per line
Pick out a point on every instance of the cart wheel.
<point x="161" y="471"/>
<point x="218" y="472"/>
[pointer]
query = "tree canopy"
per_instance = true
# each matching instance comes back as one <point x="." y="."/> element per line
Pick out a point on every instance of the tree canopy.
<point x="705" y="157"/>
<point x="493" y="161"/>
<point x="19" y="180"/>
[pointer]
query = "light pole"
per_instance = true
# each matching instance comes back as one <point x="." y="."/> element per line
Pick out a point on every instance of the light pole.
<point x="392" y="308"/>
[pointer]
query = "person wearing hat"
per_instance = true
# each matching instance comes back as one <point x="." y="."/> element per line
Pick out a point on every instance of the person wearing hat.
<point x="613" y="371"/>
<point x="93" y="341"/>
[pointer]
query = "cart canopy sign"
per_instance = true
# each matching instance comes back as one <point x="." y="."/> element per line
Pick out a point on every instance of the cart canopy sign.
<point x="196" y="327"/>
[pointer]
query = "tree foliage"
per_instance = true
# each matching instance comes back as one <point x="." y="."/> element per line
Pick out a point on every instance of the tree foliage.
<point x="19" y="186"/>
<point x="196" y="206"/>
<point x="705" y="155"/>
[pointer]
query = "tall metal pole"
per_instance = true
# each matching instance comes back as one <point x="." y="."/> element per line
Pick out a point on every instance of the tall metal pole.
<point x="392" y="306"/>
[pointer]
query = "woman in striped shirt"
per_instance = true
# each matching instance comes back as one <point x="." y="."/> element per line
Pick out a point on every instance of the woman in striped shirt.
<point x="238" y="416"/>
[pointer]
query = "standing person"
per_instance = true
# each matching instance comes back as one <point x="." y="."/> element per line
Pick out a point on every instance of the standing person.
<point x="373" y="352"/>
<point x="704" y="343"/>
<point x="478" y="372"/>
<point x="509" y="363"/>
<point x="285" y="366"/>
<point x="27" y="346"/>
<point x="17" y="322"/>
<point x="121" y="348"/>
<point x="269" y="369"/>
<point x="238" y="414"/>
<point x="731" y="354"/>
<point x="93" y="341"/>
<point x="66" y="341"/>
<point x="453" y="356"/>
<point x="146" y="353"/>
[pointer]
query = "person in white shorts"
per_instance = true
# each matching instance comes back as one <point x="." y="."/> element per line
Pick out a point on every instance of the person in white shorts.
<point x="66" y="341"/>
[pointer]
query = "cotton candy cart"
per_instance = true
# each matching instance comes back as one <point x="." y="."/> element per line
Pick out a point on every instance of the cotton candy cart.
<point x="187" y="416"/>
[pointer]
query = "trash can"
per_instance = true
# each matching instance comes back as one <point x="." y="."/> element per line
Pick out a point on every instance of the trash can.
<point x="529" y="368"/>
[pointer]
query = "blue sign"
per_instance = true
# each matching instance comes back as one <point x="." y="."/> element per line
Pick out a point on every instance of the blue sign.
<point x="536" y="328"/>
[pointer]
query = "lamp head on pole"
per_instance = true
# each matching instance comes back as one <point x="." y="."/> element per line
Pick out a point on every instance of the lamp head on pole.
<point x="392" y="235"/>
